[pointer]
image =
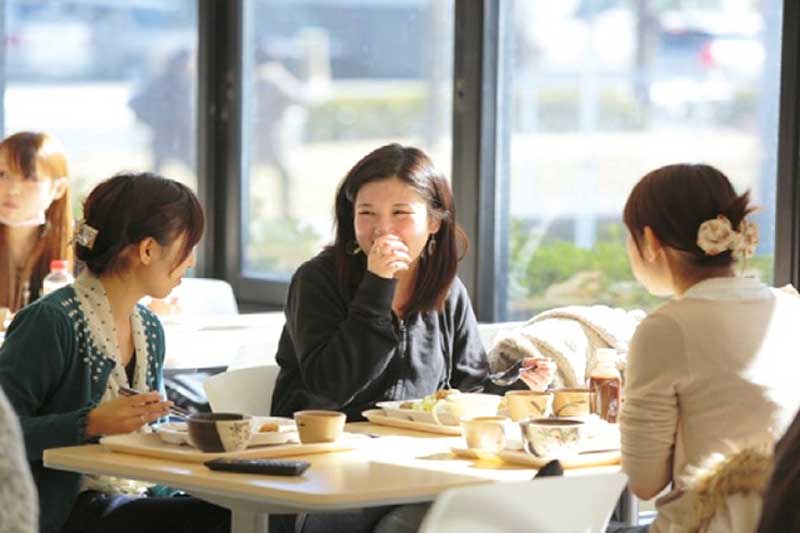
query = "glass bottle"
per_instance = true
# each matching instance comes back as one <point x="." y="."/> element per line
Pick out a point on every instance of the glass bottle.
<point x="605" y="381"/>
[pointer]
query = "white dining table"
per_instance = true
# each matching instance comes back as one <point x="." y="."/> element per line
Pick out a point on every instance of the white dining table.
<point x="396" y="467"/>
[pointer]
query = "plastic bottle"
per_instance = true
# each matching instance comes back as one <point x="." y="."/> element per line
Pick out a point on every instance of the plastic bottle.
<point x="58" y="277"/>
<point x="606" y="384"/>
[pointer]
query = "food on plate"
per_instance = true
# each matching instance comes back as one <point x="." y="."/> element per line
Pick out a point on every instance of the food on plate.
<point x="269" y="427"/>
<point x="426" y="404"/>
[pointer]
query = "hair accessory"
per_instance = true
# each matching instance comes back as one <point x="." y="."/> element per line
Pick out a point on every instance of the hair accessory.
<point x="717" y="235"/>
<point x="85" y="235"/>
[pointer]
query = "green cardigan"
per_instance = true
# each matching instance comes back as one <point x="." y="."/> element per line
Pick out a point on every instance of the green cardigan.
<point x="54" y="372"/>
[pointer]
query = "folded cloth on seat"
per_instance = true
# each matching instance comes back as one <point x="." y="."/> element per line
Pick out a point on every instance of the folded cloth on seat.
<point x="569" y="336"/>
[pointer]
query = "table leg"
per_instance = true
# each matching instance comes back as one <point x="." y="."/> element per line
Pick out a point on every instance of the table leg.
<point x="243" y="521"/>
<point x="629" y="507"/>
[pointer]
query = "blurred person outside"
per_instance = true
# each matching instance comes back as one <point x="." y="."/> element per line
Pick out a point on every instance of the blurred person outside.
<point x="166" y="105"/>
<point x="278" y="95"/>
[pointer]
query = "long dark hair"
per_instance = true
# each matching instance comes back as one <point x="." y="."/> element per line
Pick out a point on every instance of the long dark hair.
<point x="436" y="271"/>
<point x="675" y="200"/>
<point x="129" y="208"/>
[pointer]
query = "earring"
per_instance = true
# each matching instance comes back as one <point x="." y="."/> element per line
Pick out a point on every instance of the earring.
<point x="431" y="245"/>
<point x="352" y="248"/>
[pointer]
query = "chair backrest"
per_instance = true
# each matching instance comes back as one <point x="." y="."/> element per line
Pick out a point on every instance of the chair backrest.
<point x="205" y="296"/>
<point x="574" y="504"/>
<point x="245" y="390"/>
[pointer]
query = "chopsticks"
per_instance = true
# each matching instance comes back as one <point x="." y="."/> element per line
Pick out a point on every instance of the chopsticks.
<point x="174" y="410"/>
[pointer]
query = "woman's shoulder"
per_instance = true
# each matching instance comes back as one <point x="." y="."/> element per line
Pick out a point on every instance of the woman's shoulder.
<point x="324" y="261"/>
<point x="60" y="302"/>
<point x="458" y="301"/>
<point x="149" y="318"/>
<point x="58" y="307"/>
<point x="458" y="291"/>
<point x="320" y="267"/>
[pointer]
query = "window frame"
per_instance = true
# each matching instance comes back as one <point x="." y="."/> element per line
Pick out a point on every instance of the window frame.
<point x="480" y="151"/>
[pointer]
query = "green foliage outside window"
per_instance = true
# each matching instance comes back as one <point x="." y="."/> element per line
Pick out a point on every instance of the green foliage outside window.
<point x="546" y="272"/>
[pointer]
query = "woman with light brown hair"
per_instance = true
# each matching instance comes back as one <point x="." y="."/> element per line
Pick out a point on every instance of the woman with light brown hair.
<point x="35" y="214"/>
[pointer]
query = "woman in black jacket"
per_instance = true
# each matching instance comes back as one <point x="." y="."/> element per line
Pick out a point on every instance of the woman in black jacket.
<point x="380" y="314"/>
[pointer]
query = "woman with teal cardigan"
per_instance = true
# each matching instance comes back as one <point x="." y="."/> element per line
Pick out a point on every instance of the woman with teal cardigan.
<point x="66" y="356"/>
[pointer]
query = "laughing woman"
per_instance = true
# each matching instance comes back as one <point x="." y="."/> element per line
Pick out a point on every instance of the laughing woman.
<point x="66" y="356"/>
<point x="381" y="314"/>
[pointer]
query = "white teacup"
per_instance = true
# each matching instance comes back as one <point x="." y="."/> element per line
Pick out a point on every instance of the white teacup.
<point x="485" y="432"/>
<point x="466" y="404"/>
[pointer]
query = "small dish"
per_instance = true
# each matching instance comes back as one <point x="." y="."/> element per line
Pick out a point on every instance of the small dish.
<point x="393" y="409"/>
<point x="173" y="432"/>
<point x="178" y="433"/>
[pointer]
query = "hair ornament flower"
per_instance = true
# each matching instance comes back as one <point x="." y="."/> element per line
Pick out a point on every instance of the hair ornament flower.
<point x="717" y="235"/>
<point x="85" y="234"/>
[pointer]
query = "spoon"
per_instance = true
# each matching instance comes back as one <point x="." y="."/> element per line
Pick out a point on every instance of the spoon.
<point x="508" y="376"/>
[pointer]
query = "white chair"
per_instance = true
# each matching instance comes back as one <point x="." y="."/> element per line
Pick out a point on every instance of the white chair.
<point x="574" y="504"/>
<point x="245" y="390"/>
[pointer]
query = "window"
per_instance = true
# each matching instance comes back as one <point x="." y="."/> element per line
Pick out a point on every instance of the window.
<point x="326" y="83"/>
<point x="601" y="93"/>
<point x="115" y="83"/>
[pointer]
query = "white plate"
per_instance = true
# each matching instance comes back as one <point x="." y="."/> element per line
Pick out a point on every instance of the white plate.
<point x="176" y="432"/>
<point x="173" y="432"/>
<point x="394" y="410"/>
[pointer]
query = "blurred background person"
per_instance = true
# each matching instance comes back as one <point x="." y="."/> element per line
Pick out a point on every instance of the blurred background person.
<point x="35" y="214"/>
<point x="166" y="106"/>
<point x="281" y="100"/>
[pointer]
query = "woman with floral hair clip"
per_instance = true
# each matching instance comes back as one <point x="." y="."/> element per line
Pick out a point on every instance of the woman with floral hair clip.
<point x="706" y="370"/>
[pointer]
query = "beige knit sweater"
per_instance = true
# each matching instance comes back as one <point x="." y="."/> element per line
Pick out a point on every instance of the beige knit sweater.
<point x="712" y="370"/>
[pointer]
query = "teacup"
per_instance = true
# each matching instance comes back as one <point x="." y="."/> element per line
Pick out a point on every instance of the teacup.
<point x="219" y="432"/>
<point x="485" y="432"/>
<point x="527" y="403"/>
<point x="552" y="437"/>
<point x="572" y="402"/>
<point x="466" y="404"/>
<point x="319" y="426"/>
